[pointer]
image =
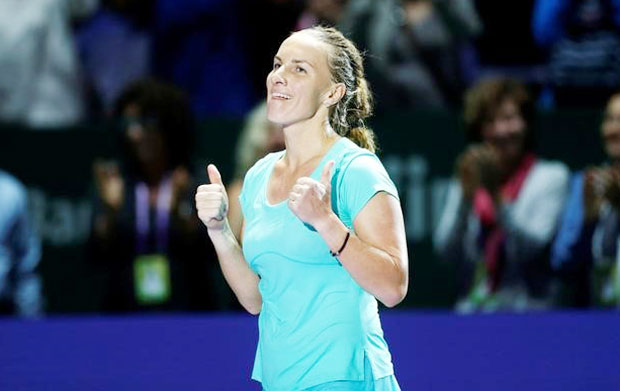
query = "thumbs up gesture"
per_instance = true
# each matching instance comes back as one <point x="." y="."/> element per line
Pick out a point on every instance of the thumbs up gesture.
<point x="310" y="200"/>
<point x="212" y="200"/>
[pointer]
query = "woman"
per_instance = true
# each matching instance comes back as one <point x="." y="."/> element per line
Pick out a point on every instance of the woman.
<point x="323" y="232"/>
<point x="503" y="210"/>
<point x="585" y="250"/>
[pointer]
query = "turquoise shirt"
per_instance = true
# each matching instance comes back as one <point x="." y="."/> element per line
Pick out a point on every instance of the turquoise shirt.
<point x="316" y="323"/>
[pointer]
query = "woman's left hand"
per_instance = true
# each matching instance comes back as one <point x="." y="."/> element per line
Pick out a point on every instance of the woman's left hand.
<point x="310" y="200"/>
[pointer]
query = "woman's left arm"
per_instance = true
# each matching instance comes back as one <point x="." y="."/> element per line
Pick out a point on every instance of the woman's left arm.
<point x="376" y="254"/>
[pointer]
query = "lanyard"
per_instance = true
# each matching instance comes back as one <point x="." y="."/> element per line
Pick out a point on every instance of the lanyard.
<point x="162" y="215"/>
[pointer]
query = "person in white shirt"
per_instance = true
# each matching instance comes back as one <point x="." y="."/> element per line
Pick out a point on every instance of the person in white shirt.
<point x="40" y="83"/>
<point x="503" y="207"/>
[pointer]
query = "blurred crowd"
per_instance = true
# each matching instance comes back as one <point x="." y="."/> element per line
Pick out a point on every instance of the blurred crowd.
<point x="521" y="229"/>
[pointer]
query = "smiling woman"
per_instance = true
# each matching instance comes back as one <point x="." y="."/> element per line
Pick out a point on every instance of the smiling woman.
<point x="323" y="233"/>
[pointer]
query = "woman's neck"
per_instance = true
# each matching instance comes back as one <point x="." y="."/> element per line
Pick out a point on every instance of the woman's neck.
<point x="306" y="141"/>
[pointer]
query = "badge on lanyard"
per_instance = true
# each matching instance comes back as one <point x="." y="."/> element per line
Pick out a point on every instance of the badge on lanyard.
<point x="151" y="270"/>
<point x="151" y="279"/>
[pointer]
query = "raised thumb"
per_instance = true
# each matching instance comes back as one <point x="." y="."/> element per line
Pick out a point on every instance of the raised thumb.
<point x="326" y="176"/>
<point x="214" y="174"/>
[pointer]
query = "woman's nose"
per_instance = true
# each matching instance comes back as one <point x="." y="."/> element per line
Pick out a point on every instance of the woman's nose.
<point x="278" y="77"/>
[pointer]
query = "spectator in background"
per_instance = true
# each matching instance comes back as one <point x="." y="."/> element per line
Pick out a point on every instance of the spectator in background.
<point x="583" y="38"/>
<point x="193" y="44"/>
<point x="115" y="47"/>
<point x="258" y="138"/>
<point x="414" y="49"/>
<point x="590" y="229"/>
<point x="503" y="207"/>
<point x="40" y="84"/>
<point x="198" y="48"/>
<point x="145" y="231"/>
<point x="20" y="252"/>
<point x="321" y="12"/>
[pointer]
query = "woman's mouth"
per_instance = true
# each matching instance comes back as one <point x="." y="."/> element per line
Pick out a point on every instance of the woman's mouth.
<point x="280" y="96"/>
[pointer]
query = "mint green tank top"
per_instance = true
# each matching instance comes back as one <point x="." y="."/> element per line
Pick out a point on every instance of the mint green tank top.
<point x="316" y="323"/>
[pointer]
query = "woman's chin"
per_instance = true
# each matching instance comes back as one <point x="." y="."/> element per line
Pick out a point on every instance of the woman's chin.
<point x="275" y="118"/>
<point x="279" y="120"/>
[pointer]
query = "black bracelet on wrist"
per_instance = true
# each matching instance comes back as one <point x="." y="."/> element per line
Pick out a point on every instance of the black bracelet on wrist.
<point x="346" y="239"/>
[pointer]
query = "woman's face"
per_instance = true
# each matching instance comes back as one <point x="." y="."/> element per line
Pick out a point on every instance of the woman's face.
<point x="610" y="130"/>
<point x="299" y="81"/>
<point x="506" y="132"/>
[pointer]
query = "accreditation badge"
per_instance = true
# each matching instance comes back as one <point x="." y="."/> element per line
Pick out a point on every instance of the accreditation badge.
<point x="151" y="279"/>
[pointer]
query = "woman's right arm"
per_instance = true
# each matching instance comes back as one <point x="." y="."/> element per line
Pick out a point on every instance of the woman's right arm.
<point x="212" y="207"/>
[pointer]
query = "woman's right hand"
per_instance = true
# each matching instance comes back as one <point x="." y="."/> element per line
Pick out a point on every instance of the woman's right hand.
<point x="212" y="201"/>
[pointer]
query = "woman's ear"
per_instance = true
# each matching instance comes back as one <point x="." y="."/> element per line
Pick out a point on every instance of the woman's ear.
<point x="335" y="93"/>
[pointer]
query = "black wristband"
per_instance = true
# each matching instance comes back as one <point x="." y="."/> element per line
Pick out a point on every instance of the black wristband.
<point x="346" y="239"/>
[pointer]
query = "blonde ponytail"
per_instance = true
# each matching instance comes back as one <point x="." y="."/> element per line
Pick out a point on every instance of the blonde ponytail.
<point x="364" y="137"/>
<point x="347" y="117"/>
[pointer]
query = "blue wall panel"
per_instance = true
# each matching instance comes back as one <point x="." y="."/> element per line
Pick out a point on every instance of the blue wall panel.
<point x="432" y="351"/>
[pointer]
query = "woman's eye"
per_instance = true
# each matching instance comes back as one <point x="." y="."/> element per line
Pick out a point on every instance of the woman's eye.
<point x="276" y="66"/>
<point x="300" y="69"/>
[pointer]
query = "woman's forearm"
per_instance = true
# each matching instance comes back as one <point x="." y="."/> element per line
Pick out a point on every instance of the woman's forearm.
<point x="380" y="272"/>
<point x="238" y="274"/>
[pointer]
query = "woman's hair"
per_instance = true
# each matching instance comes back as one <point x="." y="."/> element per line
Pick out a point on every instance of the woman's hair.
<point x="347" y="117"/>
<point x="168" y="111"/>
<point x="484" y="99"/>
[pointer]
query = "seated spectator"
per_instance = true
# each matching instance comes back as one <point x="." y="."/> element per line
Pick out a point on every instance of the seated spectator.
<point x="583" y="39"/>
<point x="321" y="12"/>
<point x="145" y="232"/>
<point x="588" y="236"/>
<point x="258" y="138"/>
<point x="40" y="83"/>
<point x="198" y="48"/>
<point x="413" y="49"/>
<point x="193" y="44"/>
<point x="503" y="206"/>
<point x="115" y="47"/>
<point x="20" y="252"/>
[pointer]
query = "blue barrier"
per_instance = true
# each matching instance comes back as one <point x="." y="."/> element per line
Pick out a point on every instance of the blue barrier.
<point x="432" y="351"/>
